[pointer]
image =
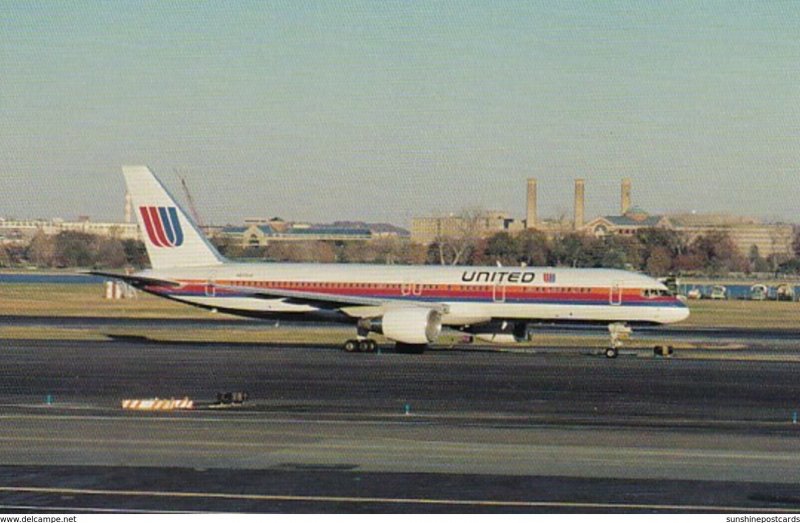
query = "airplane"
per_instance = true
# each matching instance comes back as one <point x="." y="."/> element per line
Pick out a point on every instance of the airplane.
<point x="408" y="305"/>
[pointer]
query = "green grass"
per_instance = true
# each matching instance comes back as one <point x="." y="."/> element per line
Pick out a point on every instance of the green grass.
<point x="269" y="334"/>
<point x="744" y="314"/>
<point x="87" y="300"/>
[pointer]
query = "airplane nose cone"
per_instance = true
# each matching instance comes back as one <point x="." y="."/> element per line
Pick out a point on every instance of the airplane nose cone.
<point x="679" y="313"/>
<point x="684" y="313"/>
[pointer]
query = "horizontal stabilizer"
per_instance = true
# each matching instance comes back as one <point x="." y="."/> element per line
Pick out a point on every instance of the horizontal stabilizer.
<point x="136" y="281"/>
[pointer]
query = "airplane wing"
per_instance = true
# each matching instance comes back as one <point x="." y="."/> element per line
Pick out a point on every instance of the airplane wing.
<point x="333" y="301"/>
<point x="136" y="281"/>
<point x="318" y="300"/>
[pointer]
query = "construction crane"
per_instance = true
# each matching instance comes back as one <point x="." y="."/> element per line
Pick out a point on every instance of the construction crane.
<point x="189" y="199"/>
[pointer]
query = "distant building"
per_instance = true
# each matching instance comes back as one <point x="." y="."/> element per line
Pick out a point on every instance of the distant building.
<point x="426" y="230"/>
<point x="625" y="225"/>
<point x="555" y="227"/>
<point x="261" y="232"/>
<point x="21" y="231"/>
<point x="254" y="232"/>
<point x="745" y="232"/>
<point x="234" y="234"/>
<point x="275" y="223"/>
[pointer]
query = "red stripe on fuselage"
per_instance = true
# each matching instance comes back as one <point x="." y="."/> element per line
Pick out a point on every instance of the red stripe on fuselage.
<point x="592" y="295"/>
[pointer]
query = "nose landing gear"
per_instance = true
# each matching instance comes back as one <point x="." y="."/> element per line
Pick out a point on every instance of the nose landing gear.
<point x="618" y="333"/>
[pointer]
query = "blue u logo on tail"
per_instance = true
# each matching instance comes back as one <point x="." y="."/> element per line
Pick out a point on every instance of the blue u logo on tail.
<point x="162" y="225"/>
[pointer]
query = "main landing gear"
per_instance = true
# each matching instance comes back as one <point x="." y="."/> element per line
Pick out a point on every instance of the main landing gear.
<point x="360" y="345"/>
<point x="618" y="333"/>
<point x="368" y="345"/>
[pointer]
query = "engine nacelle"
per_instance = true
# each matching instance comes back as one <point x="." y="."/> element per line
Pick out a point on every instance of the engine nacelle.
<point x="412" y="325"/>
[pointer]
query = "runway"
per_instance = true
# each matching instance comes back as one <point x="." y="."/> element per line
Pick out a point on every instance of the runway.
<point x="664" y="333"/>
<point x="447" y="431"/>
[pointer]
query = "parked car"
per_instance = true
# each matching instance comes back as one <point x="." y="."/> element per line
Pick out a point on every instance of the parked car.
<point x="719" y="292"/>
<point x="758" y="292"/>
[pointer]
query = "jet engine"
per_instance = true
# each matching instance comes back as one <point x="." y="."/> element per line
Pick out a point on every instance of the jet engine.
<point x="412" y="325"/>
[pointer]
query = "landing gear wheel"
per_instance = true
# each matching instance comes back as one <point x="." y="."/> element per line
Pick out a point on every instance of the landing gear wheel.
<point x="366" y="346"/>
<point x="618" y="333"/>
<point x="351" y="346"/>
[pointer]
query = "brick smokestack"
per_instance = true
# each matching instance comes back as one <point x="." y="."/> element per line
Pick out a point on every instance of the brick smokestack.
<point x="530" y="215"/>
<point x="579" y="202"/>
<point x="625" y="197"/>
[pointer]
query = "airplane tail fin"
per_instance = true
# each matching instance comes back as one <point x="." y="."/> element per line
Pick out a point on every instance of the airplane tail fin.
<point x="171" y="237"/>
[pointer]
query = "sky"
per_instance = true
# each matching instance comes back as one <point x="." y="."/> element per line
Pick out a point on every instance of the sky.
<point x="380" y="111"/>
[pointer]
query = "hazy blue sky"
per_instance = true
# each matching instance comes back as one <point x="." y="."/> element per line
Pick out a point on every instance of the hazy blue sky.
<point x="383" y="110"/>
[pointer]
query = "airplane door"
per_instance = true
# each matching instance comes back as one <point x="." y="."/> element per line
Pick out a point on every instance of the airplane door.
<point x="499" y="293"/>
<point x="210" y="288"/>
<point x="615" y="294"/>
<point x="411" y="289"/>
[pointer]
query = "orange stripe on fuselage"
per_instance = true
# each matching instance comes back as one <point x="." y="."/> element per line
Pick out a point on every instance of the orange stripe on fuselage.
<point x="442" y="291"/>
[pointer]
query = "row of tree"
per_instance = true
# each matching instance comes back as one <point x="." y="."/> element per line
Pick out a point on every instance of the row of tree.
<point x="74" y="249"/>
<point x="387" y="251"/>
<point x="655" y="251"/>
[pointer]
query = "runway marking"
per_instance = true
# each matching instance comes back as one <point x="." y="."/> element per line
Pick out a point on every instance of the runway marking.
<point x="167" y="442"/>
<point x="394" y="417"/>
<point x="416" y="421"/>
<point x="100" y="510"/>
<point x="684" y="454"/>
<point x="318" y="443"/>
<point x="391" y="501"/>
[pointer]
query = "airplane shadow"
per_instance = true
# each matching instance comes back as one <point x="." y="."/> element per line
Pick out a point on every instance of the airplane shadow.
<point x="145" y="340"/>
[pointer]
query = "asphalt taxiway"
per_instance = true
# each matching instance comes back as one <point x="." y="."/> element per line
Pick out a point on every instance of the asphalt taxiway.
<point x="447" y="431"/>
<point x="665" y="333"/>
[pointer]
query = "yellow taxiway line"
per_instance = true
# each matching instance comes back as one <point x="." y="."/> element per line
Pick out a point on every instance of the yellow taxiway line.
<point x="403" y="501"/>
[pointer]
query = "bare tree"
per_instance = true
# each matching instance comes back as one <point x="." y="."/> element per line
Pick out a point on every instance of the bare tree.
<point x="42" y="250"/>
<point x="441" y="240"/>
<point x="5" y="257"/>
<point x="781" y="247"/>
<point x="469" y="232"/>
<point x="302" y="251"/>
<point x="457" y="235"/>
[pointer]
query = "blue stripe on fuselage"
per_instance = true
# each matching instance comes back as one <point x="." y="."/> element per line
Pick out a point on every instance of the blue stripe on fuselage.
<point x="439" y="299"/>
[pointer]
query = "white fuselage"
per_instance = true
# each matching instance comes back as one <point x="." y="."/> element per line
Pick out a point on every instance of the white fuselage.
<point x="471" y="295"/>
